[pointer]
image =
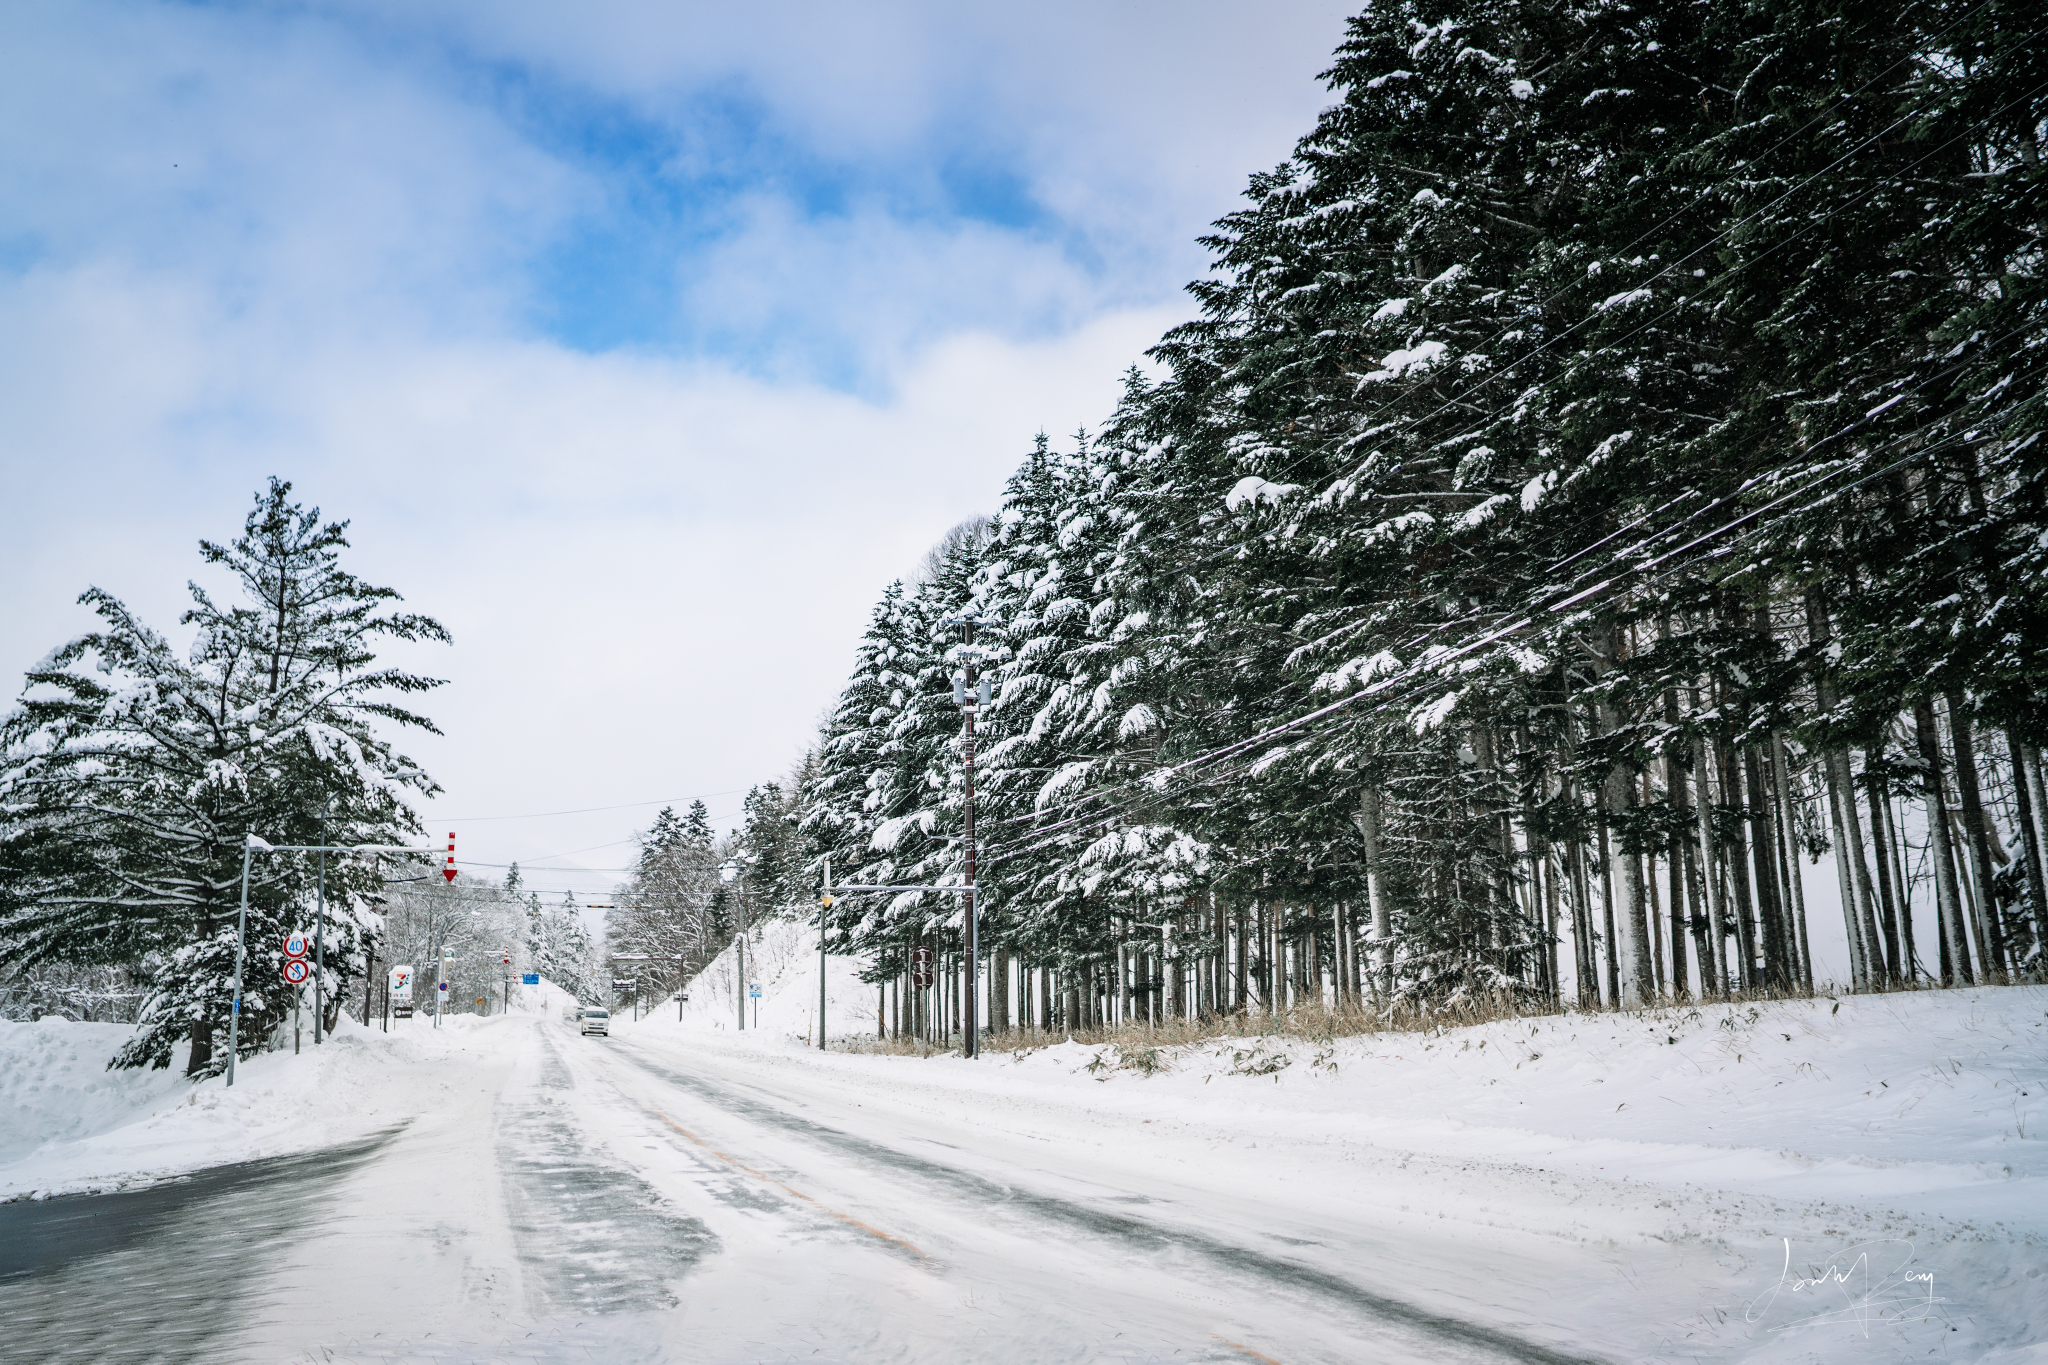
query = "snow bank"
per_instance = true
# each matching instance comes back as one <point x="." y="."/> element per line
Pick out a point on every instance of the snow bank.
<point x="68" y="1124"/>
<point x="1869" y="1095"/>
<point x="55" y="1086"/>
<point x="782" y="955"/>
<point x="1656" y="1169"/>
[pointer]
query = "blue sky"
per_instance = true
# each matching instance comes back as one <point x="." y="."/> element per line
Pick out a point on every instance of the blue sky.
<point x="642" y="343"/>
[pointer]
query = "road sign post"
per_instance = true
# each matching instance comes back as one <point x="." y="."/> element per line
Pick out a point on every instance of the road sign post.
<point x="251" y="845"/>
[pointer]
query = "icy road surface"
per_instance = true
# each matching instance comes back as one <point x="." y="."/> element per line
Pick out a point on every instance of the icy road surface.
<point x="510" y="1191"/>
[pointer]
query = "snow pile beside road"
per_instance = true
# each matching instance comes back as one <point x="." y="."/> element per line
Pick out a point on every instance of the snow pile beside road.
<point x="782" y="956"/>
<point x="77" y="1126"/>
<point x="1881" y="1093"/>
<point x="55" y="1086"/>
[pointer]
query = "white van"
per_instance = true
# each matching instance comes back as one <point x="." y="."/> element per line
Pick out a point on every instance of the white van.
<point x="594" y="1021"/>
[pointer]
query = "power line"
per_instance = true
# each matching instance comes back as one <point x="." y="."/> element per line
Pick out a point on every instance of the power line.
<point x="586" y="810"/>
<point x="1418" y="674"/>
<point x="1466" y="395"/>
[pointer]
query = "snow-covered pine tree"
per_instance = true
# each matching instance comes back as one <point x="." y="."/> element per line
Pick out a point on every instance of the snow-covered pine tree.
<point x="559" y="947"/>
<point x="133" y="773"/>
<point x="666" y="911"/>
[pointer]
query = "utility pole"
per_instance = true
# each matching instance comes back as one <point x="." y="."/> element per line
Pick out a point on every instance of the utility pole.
<point x="319" y="927"/>
<point x="824" y="904"/>
<point x="971" y="692"/>
<point x="734" y="870"/>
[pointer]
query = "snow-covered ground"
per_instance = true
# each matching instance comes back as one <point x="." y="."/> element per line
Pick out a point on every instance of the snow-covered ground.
<point x="782" y="958"/>
<point x="1624" y="1188"/>
<point x="68" y="1124"/>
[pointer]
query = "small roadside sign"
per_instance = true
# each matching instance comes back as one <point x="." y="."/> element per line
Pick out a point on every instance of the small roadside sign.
<point x="295" y="945"/>
<point x="443" y="988"/>
<point x="297" y="970"/>
<point x="401" y="1011"/>
<point x="401" y="984"/>
<point x="754" y="990"/>
<point x="530" y="979"/>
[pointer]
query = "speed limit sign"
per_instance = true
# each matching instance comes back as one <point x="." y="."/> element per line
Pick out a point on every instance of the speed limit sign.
<point x="296" y="971"/>
<point x="295" y="945"/>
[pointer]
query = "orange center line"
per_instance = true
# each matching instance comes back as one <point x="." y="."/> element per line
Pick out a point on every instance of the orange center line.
<point x="1240" y="1346"/>
<point x="793" y="1193"/>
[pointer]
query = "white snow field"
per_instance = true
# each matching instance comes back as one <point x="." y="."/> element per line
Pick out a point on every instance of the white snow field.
<point x="1617" y="1188"/>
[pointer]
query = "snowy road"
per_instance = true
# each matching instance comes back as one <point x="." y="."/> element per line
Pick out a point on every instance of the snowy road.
<point x="1046" y="1263"/>
<point x="505" y="1190"/>
<point x="624" y="1200"/>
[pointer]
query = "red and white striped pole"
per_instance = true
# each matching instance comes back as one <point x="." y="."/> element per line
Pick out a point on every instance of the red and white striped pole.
<point x="441" y="967"/>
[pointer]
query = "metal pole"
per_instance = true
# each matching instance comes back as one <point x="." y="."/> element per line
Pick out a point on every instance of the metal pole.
<point x="241" y="928"/>
<point x="823" y="905"/>
<point x="739" y="941"/>
<point x="319" y="928"/>
<point x="440" y="967"/>
<point x="969" y="1042"/>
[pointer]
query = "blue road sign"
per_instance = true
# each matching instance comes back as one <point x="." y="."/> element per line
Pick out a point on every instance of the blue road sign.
<point x="530" y="979"/>
<point x="754" y="990"/>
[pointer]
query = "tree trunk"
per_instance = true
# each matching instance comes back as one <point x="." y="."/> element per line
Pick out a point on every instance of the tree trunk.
<point x="1788" y="854"/>
<point x="1653" y="912"/>
<point x="1375" y="892"/>
<point x="1585" y="960"/>
<point x="1620" y="793"/>
<point x="1607" y="911"/>
<point x="2030" y="838"/>
<point x="202" y="1048"/>
<point x="1737" y="854"/>
<point x="1770" y="905"/>
<point x="1242" y="968"/>
<point x="1948" y="897"/>
<point x="1976" y="829"/>
<point x="1858" y="906"/>
<point x="1674" y="850"/>
<point x="1880" y="834"/>
<point x="1891" y="872"/>
<point x="1710" y="864"/>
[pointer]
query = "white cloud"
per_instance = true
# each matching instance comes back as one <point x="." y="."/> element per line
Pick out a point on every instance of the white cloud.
<point x="255" y="239"/>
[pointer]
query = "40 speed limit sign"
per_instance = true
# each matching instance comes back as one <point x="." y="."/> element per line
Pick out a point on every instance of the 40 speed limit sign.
<point x="295" y="945"/>
<point x="297" y="970"/>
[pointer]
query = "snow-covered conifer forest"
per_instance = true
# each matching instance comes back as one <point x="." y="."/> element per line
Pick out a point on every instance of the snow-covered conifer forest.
<point x="1604" y="473"/>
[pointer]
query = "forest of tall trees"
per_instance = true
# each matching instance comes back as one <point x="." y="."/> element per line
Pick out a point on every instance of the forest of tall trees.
<point x="1603" y="477"/>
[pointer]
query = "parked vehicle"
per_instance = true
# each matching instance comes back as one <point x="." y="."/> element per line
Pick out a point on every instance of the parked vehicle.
<point x="594" y="1021"/>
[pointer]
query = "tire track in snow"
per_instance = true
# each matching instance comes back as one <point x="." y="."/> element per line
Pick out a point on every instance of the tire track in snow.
<point x="1481" y="1342"/>
<point x="591" y="1238"/>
